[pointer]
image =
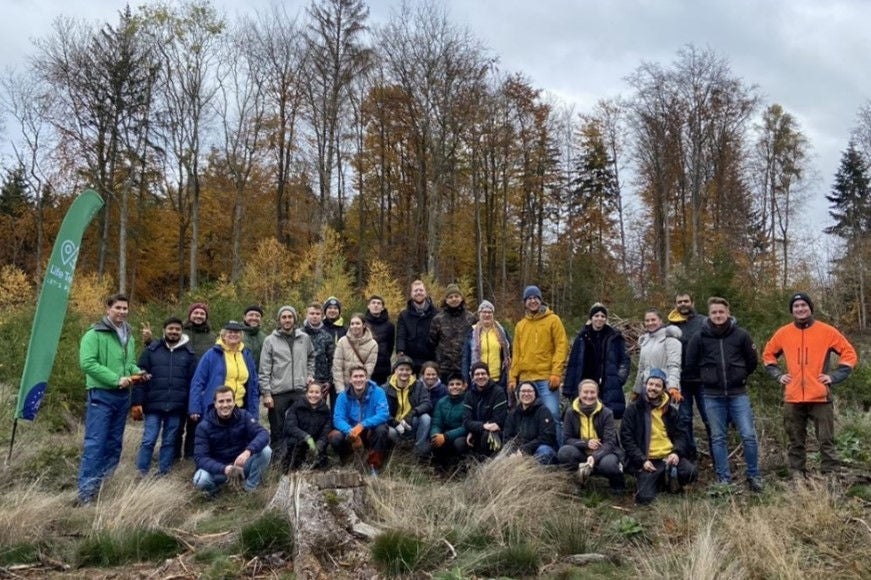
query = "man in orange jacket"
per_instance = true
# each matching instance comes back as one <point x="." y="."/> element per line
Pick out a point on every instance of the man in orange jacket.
<point x="805" y="345"/>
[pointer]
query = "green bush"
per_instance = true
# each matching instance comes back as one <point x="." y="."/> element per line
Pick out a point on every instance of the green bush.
<point x="19" y="554"/>
<point x="397" y="552"/>
<point x="514" y="560"/>
<point x="571" y="531"/>
<point x="114" y="549"/>
<point x="269" y="533"/>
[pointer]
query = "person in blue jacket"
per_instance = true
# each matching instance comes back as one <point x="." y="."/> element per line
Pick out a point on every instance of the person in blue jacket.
<point x="360" y="419"/>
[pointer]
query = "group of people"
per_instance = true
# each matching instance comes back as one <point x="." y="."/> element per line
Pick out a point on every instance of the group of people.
<point x="451" y="384"/>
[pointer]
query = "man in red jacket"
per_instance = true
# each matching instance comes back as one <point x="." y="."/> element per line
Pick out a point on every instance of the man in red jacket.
<point x="805" y="345"/>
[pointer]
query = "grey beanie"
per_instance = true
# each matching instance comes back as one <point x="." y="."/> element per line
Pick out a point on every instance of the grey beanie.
<point x="292" y="311"/>
<point x="486" y="305"/>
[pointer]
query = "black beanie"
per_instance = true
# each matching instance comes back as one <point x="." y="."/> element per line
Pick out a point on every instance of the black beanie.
<point x="801" y="296"/>
<point x="598" y="307"/>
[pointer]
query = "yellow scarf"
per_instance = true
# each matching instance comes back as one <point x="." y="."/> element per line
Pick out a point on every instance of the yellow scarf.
<point x="237" y="371"/>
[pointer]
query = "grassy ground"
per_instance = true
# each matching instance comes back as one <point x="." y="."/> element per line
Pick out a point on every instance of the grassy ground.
<point x="505" y="518"/>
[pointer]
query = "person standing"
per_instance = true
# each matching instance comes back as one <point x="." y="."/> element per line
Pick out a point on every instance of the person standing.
<point x="489" y="343"/>
<point x="449" y="330"/>
<point x="413" y="324"/>
<point x="107" y="356"/>
<point x="287" y="365"/>
<point x="599" y="354"/>
<point x="722" y="355"/>
<point x="254" y="335"/>
<point x="322" y="341"/>
<point x="163" y="399"/>
<point x="357" y="347"/>
<point x="660" y="348"/>
<point x="807" y="383"/>
<point x="333" y="321"/>
<point x="384" y="333"/>
<point x="540" y="349"/>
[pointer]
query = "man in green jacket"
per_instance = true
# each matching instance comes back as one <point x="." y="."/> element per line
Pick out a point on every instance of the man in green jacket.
<point x="107" y="356"/>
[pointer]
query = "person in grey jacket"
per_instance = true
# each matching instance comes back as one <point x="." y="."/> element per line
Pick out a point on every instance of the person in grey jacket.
<point x="660" y="349"/>
<point x="287" y="365"/>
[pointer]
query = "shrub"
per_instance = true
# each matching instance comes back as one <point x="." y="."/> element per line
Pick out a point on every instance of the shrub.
<point x="270" y="533"/>
<point x="397" y="552"/>
<point x="514" y="560"/>
<point x="15" y="287"/>
<point x="123" y="547"/>
<point x="20" y="553"/>
<point x="571" y="531"/>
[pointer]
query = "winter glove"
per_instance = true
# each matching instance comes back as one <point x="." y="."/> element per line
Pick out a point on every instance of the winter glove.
<point x="355" y="431"/>
<point x="136" y="412"/>
<point x="675" y="395"/>
<point x="494" y="441"/>
<point x="406" y="425"/>
<point x="554" y="382"/>
<point x="311" y="444"/>
<point x="438" y="439"/>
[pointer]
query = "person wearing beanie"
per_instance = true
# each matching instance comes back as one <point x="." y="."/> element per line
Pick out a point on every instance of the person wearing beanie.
<point x="486" y="409"/>
<point x="722" y="355"/>
<point x="805" y="345"/>
<point x="413" y="324"/>
<point x="254" y="335"/>
<point x="489" y="343"/>
<point x="333" y="321"/>
<point x="599" y="354"/>
<point x="198" y="329"/>
<point x="529" y="427"/>
<point x="653" y="441"/>
<point x="287" y="366"/>
<point x="410" y="407"/>
<point x="449" y="330"/>
<point x="384" y="332"/>
<point x="539" y="353"/>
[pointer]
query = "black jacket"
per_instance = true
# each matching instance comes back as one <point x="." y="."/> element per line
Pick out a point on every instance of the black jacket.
<point x="722" y="358"/>
<point x="487" y="406"/>
<point x="384" y="333"/>
<point x="689" y="329"/>
<point x="412" y="333"/>
<point x="171" y="373"/>
<point x="325" y="348"/>
<point x="531" y="427"/>
<point x="615" y="368"/>
<point x="418" y="397"/>
<point x="603" y="424"/>
<point x="635" y="432"/>
<point x="302" y="421"/>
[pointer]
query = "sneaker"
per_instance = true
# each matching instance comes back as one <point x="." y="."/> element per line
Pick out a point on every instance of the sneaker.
<point x="584" y="472"/>
<point x="755" y="484"/>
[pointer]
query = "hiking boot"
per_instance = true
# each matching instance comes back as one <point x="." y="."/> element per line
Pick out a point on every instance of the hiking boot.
<point x="755" y="484"/>
<point x="584" y="472"/>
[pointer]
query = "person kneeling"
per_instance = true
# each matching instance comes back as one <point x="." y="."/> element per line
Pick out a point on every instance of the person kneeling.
<point x="591" y="445"/>
<point x="360" y="419"/>
<point x="448" y="435"/>
<point x="530" y="427"/>
<point x="307" y="425"/>
<point x="229" y="444"/>
<point x="654" y="443"/>
<point x="410" y="407"/>
<point x="486" y="407"/>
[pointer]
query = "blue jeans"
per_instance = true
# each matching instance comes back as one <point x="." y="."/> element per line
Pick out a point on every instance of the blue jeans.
<point x="105" y="418"/>
<point x="545" y="455"/>
<point x="169" y="423"/>
<point x="420" y="430"/>
<point x="690" y="392"/>
<point x="736" y="409"/>
<point x="210" y="482"/>
<point x="550" y="399"/>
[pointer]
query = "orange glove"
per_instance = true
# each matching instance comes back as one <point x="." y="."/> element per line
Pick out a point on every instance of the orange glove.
<point x="675" y="395"/>
<point x="438" y="439"/>
<point x="136" y="412"/>
<point x="554" y="382"/>
<point x="355" y="431"/>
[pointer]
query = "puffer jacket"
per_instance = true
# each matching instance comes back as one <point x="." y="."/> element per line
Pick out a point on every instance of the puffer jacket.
<point x="325" y="349"/>
<point x="531" y="427"/>
<point x="603" y="425"/>
<point x="540" y="347"/>
<point x="302" y="421"/>
<point x="448" y="418"/>
<point x="345" y="357"/>
<point x="447" y="334"/>
<point x="412" y="332"/>
<point x="722" y="358"/>
<point x="286" y="362"/>
<point x="218" y="443"/>
<point x="660" y="349"/>
<point x="615" y="368"/>
<point x="211" y="373"/>
<point x="171" y="372"/>
<point x="384" y="333"/>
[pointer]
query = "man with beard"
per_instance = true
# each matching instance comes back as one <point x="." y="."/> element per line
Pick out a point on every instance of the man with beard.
<point x="449" y="330"/>
<point x="334" y="323"/>
<point x="413" y="324"/>
<point x="253" y="336"/>
<point x="384" y="333"/>
<point x="323" y="343"/>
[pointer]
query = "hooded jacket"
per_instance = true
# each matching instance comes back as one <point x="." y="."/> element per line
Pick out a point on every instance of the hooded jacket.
<point x="806" y="348"/>
<point x="540" y="347"/>
<point x="325" y="349"/>
<point x="418" y="397"/>
<point x="384" y="333"/>
<point x="412" y="332"/>
<point x="218" y="443"/>
<point x="531" y="427"/>
<point x="286" y="362"/>
<point x="302" y="421"/>
<point x="448" y="417"/>
<point x="103" y="358"/>
<point x="345" y="357"/>
<point x="211" y="373"/>
<point x="635" y="431"/>
<point x="689" y="327"/>
<point x="369" y="408"/>
<point x="603" y="425"/>
<point x="336" y="328"/>
<point x="484" y="406"/>
<point x="615" y="367"/>
<point x="660" y="349"/>
<point x="171" y="369"/>
<point x="447" y="335"/>
<point x="722" y="358"/>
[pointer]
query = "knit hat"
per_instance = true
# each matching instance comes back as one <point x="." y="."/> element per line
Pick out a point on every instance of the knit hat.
<point x="403" y="360"/>
<point x="657" y="374"/>
<point x="286" y="308"/>
<point x="801" y="296"/>
<point x="479" y="365"/>
<point x="530" y="292"/>
<point x="376" y="297"/>
<point x="201" y="305"/>
<point x="333" y="301"/>
<point x="486" y="305"/>
<point x="452" y="289"/>
<point x="254" y="308"/>
<point x="234" y="325"/>
<point x="598" y="307"/>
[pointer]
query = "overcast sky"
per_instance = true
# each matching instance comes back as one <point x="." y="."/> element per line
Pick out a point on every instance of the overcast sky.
<point x="811" y="56"/>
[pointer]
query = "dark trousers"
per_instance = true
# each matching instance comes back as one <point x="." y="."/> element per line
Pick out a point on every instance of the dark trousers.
<point x="649" y="482"/>
<point x="281" y="402"/>
<point x="795" y="419"/>
<point x="375" y="440"/>
<point x="692" y="392"/>
<point x="450" y="453"/>
<point x="608" y="466"/>
<point x="297" y="451"/>
<point x="184" y="442"/>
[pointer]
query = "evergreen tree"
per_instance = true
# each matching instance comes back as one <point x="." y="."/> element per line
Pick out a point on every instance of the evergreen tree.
<point x="851" y="197"/>
<point x="13" y="193"/>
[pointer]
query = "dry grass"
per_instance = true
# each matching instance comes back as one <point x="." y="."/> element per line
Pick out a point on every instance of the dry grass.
<point x="149" y="503"/>
<point x="27" y="515"/>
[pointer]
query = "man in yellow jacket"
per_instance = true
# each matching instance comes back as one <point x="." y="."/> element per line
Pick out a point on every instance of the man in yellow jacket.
<point x="805" y="345"/>
<point x="541" y="347"/>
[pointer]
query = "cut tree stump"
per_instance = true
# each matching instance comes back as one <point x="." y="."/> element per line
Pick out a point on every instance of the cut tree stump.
<point x="324" y="508"/>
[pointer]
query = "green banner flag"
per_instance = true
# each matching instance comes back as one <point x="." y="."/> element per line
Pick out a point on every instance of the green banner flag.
<point x="51" y="308"/>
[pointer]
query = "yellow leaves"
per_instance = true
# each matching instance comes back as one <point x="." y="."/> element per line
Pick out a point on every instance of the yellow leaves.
<point x="16" y="288"/>
<point x="382" y="282"/>
<point x="89" y="293"/>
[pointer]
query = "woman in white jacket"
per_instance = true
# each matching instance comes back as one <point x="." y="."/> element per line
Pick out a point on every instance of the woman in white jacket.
<point x="660" y="348"/>
<point x="357" y="347"/>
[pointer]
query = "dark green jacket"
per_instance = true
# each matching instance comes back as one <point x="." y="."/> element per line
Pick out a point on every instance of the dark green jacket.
<point x="448" y="418"/>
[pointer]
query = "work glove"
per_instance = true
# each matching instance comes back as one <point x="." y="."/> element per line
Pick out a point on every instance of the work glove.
<point x="494" y="441"/>
<point x="400" y="427"/>
<point x="553" y="382"/>
<point x="438" y="439"/>
<point x="675" y="395"/>
<point x="136" y="412"/>
<point x="311" y="444"/>
<point x="139" y="378"/>
<point x="355" y="431"/>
